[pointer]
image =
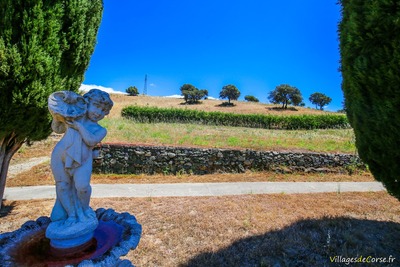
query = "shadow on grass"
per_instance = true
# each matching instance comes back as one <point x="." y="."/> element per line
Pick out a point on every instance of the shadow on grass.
<point x="311" y="243"/>
<point x="226" y="104"/>
<point x="6" y="209"/>
<point x="190" y="103"/>
<point x="283" y="109"/>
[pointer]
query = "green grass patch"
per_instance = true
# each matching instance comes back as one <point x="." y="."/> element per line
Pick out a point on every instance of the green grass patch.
<point x="183" y="134"/>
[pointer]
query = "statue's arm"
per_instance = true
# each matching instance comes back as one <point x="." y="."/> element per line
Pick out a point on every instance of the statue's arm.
<point x="90" y="138"/>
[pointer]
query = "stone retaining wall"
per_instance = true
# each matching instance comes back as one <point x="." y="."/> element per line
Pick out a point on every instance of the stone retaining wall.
<point x="132" y="159"/>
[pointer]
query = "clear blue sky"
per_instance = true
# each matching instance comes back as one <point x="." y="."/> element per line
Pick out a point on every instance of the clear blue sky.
<point x="254" y="44"/>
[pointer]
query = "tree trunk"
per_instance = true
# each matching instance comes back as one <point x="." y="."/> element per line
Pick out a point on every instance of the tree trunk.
<point x="8" y="146"/>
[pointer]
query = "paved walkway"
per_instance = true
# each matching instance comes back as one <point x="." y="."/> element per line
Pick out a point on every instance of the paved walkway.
<point x="198" y="189"/>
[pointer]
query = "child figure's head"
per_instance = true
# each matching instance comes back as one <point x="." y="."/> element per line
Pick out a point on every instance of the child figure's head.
<point x="99" y="104"/>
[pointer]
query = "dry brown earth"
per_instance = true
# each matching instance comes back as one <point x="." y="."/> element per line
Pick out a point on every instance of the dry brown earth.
<point x="251" y="230"/>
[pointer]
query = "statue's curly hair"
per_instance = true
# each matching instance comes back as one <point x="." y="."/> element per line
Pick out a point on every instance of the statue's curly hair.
<point x="100" y="97"/>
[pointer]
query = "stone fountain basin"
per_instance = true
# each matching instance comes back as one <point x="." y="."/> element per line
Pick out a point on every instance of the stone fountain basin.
<point x="115" y="236"/>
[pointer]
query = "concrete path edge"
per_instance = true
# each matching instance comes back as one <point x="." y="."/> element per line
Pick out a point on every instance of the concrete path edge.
<point x="198" y="189"/>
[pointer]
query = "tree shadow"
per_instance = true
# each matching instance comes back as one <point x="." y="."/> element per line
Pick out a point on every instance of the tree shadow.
<point x="282" y="109"/>
<point x="190" y="103"/>
<point x="226" y="104"/>
<point x="6" y="209"/>
<point x="312" y="242"/>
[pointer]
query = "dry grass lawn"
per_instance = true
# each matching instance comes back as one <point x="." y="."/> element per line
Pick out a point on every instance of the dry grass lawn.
<point x="36" y="149"/>
<point x="250" y="230"/>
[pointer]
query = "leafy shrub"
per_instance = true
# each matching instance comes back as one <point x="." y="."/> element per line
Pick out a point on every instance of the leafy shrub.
<point x="251" y="98"/>
<point x="132" y="91"/>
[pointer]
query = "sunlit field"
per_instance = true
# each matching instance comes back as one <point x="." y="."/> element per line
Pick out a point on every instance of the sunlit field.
<point x="174" y="134"/>
<point x="122" y="130"/>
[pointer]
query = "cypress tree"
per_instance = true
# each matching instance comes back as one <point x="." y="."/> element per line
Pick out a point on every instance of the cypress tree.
<point x="45" y="46"/>
<point x="370" y="64"/>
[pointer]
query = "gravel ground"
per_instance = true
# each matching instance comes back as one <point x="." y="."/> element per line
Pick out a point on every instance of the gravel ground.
<point x="15" y="169"/>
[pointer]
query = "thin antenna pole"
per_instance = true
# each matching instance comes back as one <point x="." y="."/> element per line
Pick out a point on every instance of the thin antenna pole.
<point x="145" y="85"/>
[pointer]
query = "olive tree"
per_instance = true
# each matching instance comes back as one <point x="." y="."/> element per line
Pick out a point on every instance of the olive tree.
<point x="285" y="94"/>
<point x="45" y="46"/>
<point x="320" y="100"/>
<point x="132" y="91"/>
<point x="229" y="91"/>
<point x="191" y="94"/>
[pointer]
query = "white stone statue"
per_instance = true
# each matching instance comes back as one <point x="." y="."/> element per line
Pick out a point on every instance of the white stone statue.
<point x="73" y="221"/>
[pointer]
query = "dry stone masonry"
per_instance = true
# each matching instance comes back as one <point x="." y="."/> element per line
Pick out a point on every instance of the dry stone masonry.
<point x="132" y="159"/>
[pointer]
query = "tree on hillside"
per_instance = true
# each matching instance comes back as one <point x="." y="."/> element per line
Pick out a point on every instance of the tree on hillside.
<point x="229" y="91"/>
<point x="343" y="110"/>
<point x="285" y="94"/>
<point x="297" y="98"/>
<point x="132" y="91"/>
<point x="370" y="62"/>
<point x="320" y="100"/>
<point x="191" y="94"/>
<point x="251" y="98"/>
<point x="45" y="46"/>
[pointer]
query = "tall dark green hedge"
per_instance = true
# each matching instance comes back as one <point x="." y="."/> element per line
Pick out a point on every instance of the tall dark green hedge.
<point x="370" y="64"/>
<point x="179" y="115"/>
<point x="45" y="46"/>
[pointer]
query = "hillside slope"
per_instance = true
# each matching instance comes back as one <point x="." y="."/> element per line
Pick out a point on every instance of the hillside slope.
<point x="240" y="107"/>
